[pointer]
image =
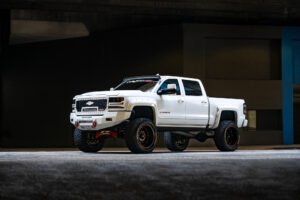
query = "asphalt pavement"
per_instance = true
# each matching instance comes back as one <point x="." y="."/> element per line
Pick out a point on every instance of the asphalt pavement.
<point x="243" y="174"/>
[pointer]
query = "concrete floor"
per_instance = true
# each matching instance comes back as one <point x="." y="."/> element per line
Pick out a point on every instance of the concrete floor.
<point x="244" y="174"/>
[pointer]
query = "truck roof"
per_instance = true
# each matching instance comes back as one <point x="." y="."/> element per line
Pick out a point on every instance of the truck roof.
<point x="153" y="77"/>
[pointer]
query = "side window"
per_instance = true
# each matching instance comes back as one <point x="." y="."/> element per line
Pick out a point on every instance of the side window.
<point x="192" y="88"/>
<point x="171" y="81"/>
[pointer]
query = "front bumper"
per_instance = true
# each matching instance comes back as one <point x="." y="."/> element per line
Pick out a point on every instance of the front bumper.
<point x="105" y="120"/>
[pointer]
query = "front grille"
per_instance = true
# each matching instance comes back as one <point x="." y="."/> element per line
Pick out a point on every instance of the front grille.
<point x="91" y="105"/>
<point x="93" y="109"/>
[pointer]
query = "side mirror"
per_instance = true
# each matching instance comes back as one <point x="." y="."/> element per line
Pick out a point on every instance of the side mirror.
<point x="111" y="89"/>
<point x="166" y="91"/>
<point x="171" y="89"/>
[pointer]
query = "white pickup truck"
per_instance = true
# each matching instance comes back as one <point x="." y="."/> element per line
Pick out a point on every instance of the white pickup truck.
<point x="141" y="106"/>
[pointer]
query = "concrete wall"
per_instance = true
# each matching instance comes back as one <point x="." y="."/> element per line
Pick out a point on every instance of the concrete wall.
<point x="239" y="62"/>
<point x="4" y="29"/>
<point x="4" y="43"/>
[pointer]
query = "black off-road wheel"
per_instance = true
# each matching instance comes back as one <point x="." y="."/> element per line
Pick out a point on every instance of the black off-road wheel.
<point x="141" y="135"/>
<point x="227" y="136"/>
<point x="175" y="142"/>
<point x="86" y="141"/>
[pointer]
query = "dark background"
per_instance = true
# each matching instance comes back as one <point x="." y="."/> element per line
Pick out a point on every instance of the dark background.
<point x="41" y="79"/>
<point x="233" y="46"/>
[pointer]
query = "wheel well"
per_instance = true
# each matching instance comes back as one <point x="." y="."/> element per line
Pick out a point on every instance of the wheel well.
<point x="142" y="111"/>
<point x="228" y="115"/>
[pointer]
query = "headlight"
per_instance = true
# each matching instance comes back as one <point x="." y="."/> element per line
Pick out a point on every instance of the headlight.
<point x="116" y="99"/>
<point x="116" y="103"/>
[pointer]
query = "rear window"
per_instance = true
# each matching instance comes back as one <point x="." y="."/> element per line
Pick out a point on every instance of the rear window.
<point x="192" y="88"/>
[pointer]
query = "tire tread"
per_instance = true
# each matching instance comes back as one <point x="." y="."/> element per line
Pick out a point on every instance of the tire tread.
<point x="219" y="136"/>
<point x="80" y="141"/>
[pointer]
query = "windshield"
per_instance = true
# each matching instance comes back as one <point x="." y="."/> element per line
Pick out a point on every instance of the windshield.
<point x="143" y="85"/>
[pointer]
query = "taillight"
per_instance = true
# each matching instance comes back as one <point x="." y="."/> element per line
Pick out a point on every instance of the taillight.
<point x="245" y="108"/>
<point x="76" y="124"/>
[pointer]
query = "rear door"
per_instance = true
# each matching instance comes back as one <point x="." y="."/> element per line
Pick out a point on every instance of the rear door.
<point x="196" y="103"/>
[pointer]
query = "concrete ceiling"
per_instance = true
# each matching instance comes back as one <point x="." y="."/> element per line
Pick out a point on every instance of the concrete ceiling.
<point x="266" y="11"/>
<point x="28" y="31"/>
<point x="39" y="20"/>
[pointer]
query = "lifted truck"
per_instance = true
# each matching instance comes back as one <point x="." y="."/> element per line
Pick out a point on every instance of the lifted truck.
<point x="141" y="106"/>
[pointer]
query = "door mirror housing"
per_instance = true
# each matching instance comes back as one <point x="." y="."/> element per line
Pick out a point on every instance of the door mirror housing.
<point x="171" y="89"/>
<point x="166" y="91"/>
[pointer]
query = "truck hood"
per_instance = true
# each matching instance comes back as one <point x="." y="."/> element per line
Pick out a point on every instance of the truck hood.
<point x="123" y="93"/>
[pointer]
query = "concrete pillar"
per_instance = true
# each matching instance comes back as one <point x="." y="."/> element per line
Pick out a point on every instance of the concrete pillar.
<point x="4" y="43"/>
<point x="4" y="30"/>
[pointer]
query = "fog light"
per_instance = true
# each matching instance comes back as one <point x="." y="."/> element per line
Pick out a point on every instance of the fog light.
<point x="94" y="124"/>
<point x="76" y="124"/>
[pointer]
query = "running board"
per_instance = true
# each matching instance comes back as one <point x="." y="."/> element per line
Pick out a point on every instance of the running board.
<point x="201" y="136"/>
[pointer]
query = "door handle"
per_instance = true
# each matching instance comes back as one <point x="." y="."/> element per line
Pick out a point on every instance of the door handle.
<point x="204" y="102"/>
<point x="180" y="101"/>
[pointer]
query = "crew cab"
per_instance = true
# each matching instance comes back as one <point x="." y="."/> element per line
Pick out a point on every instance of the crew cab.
<point x="141" y="106"/>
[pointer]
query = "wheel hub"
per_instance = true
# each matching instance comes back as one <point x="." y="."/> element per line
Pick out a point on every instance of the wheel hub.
<point x="142" y="136"/>
<point x="145" y="136"/>
<point x="231" y="136"/>
<point x="92" y="139"/>
<point x="180" y="141"/>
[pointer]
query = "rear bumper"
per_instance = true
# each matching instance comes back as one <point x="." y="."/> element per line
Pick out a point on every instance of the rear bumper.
<point x="105" y="120"/>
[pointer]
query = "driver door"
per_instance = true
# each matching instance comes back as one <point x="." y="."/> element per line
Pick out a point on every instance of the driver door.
<point x="171" y="107"/>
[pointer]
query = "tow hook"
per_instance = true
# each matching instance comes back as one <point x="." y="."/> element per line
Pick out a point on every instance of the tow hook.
<point x="94" y="124"/>
<point x="76" y="124"/>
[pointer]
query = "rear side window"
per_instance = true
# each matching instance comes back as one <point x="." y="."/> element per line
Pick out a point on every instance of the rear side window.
<point x="192" y="88"/>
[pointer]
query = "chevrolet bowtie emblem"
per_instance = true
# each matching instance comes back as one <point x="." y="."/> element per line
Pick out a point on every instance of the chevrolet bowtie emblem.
<point x="89" y="103"/>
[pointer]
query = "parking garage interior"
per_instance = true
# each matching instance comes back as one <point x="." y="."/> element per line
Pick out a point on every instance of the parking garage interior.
<point x="57" y="53"/>
<point x="52" y="50"/>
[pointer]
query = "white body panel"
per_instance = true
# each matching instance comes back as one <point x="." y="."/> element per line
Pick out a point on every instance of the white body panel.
<point x="196" y="110"/>
<point x="169" y="110"/>
<point x="225" y="104"/>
